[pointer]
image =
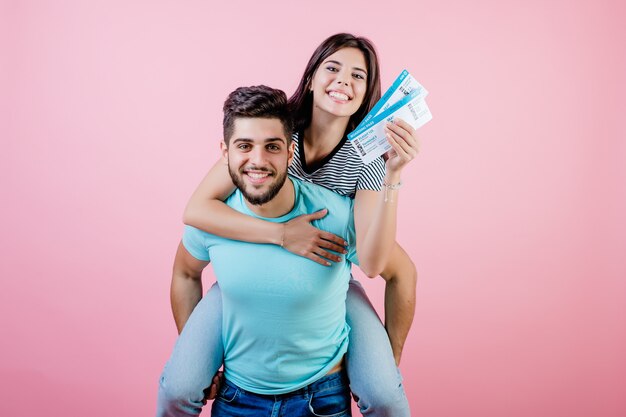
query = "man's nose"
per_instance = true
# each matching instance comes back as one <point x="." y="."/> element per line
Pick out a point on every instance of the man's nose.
<point x="257" y="155"/>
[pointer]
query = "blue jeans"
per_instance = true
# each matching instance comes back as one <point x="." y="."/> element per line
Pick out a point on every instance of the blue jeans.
<point x="198" y="354"/>
<point x="328" y="396"/>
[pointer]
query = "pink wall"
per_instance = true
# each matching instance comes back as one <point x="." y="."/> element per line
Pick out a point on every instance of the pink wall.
<point x="110" y="114"/>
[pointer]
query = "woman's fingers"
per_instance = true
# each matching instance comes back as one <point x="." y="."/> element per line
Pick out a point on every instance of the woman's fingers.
<point x="316" y="258"/>
<point x="302" y="238"/>
<point x="406" y="145"/>
<point x="406" y="132"/>
<point x="398" y="122"/>
<point x="314" y="216"/>
<point x="399" y="145"/>
<point x="332" y="242"/>
<point x="327" y="255"/>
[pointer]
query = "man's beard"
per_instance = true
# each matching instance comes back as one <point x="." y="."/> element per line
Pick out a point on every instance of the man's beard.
<point x="256" y="199"/>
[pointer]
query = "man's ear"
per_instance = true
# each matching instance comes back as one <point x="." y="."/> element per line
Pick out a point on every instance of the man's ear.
<point x="291" y="150"/>
<point x="224" y="148"/>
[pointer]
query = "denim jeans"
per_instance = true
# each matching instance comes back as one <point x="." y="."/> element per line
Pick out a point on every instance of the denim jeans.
<point x="328" y="396"/>
<point x="198" y="354"/>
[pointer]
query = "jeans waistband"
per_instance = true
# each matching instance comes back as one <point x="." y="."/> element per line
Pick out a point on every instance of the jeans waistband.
<point x="327" y="381"/>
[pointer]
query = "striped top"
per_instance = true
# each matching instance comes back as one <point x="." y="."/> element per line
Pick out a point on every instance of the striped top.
<point x="342" y="171"/>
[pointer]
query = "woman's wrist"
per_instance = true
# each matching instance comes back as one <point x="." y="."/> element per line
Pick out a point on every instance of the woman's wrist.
<point x="391" y="185"/>
<point x="392" y="178"/>
<point x="277" y="236"/>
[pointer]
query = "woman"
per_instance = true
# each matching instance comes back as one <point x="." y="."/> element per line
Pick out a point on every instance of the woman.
<point x="340" y="85"/>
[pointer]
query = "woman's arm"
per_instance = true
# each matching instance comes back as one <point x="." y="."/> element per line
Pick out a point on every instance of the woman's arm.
<point x="399" y="273"/>
<point x="207" y="211"/>
<point x="375" y="216"/>
<point x="375" y="213"/>
<point x="375" y="225"/>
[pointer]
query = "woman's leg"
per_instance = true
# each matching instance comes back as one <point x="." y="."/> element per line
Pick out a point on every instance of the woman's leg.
<point x="374" y="376"/>
<point x="196" y="357"/>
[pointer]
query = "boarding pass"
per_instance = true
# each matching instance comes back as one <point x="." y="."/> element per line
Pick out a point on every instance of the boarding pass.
<point x="370" y="140"/>
<point x="403" y="85"/>
<point x="404" y="99"/>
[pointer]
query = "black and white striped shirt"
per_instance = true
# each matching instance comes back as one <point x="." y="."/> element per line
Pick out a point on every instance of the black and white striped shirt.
<point x="342" y="171"/>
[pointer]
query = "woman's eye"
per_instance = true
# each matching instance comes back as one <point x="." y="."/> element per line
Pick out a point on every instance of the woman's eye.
<point x="332" y="69"/>
<point x="358" y="76"/>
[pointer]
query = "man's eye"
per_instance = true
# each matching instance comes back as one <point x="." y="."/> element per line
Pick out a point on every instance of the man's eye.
<point x="273" y="147"/>
<point x="243" y="147"/>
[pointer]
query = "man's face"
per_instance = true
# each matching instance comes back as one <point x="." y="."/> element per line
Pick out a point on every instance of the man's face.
<point x="258" y="157"/>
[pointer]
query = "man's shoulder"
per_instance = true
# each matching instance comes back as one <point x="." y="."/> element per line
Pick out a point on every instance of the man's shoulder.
<point x="313" y="193"/>
<point x="193" y="234"/>
<point x="235" y="200"/>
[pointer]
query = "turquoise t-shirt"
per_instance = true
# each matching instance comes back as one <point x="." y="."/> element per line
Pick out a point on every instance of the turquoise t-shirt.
<point x="284" y="315"/>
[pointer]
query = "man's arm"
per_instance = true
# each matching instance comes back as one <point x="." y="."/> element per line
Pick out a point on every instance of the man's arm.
<point x="186" y="288"/>
<point x="401" y="278"/>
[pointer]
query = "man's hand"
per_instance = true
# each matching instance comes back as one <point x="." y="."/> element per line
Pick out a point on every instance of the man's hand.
<point x="304" y="239"/>
<point x="211" y="392"/>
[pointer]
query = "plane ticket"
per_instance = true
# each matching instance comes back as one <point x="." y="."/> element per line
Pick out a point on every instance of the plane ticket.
<point x="404" y="99"/>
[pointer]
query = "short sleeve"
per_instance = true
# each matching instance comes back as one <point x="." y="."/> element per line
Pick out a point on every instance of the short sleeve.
<point x="351" y="237"/>
<point x="372" y="175"/>
<point x="194" y="240"/>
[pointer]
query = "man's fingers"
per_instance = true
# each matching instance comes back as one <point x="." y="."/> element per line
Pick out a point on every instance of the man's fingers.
<point x="213" y="391"/>
<point x="210" y="393"/>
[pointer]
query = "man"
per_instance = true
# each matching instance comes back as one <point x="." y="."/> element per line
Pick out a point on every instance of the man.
<point x="284" y="330"/>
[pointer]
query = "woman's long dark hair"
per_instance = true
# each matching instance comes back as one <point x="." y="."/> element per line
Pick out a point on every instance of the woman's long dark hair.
<point x="301" y="102"/>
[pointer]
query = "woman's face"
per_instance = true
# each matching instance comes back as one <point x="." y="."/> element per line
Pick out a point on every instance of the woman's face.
<point x="340" y="82"/>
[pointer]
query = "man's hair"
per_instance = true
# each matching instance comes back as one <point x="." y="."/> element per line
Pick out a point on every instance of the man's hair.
<point x="258" y="101"/>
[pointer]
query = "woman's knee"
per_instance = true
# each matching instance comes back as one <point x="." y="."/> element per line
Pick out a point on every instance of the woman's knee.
<point x="384" y="401"/>
<point x="178" y="397"/>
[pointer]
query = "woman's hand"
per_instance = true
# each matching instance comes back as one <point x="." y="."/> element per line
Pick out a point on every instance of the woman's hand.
<point x="405" y="145"/>
<point x="304" y="239"/>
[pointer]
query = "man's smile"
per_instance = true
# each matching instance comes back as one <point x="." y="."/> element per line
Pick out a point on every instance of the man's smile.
<point x="257" y="177"/>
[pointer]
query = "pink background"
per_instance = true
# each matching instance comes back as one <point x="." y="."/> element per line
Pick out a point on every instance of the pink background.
<point x="110" y="113"/>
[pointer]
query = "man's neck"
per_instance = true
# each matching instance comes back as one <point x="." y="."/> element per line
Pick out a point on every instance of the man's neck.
<point x="278" y="206"/>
